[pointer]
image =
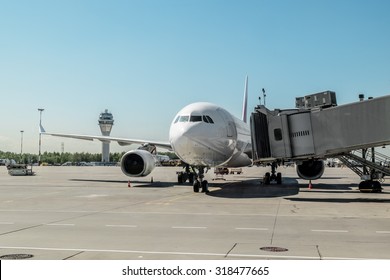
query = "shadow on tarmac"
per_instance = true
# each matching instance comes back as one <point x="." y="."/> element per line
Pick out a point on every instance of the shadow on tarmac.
<point x="140" y="184"/>
<point x="340" y="200"/>
<point x="253" y="189"/>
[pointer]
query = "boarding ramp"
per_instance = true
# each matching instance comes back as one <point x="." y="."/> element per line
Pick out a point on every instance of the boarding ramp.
<point x="319" y="129"/>
<point x="319" y="132"/>
<point x="367" y="163"/>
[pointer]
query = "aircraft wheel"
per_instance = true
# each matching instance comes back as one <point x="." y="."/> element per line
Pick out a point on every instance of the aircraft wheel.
<point x="205" y="188"/>
<point x="267" y="178"/>
<point x="196" y="186"/>
<point x="279" y="178"/>
<point x="180" y="178"/>
<point x="191" y="178"/>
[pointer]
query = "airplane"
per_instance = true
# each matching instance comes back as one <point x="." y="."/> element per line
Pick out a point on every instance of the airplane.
<point x="202" y="135"/>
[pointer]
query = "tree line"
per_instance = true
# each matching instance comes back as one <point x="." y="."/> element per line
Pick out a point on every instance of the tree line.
<point x="56" y="158"/>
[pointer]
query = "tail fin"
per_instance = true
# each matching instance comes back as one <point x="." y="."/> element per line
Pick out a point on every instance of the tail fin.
<point x="245" y="101"/>
<point x="41" y="129"/>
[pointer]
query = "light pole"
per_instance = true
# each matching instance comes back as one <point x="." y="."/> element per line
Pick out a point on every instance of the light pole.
<point x="40" y="140"/>
<point x="21" y="144"/>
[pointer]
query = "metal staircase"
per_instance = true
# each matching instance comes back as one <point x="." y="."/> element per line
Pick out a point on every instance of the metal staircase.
<point x="369" y="165"/>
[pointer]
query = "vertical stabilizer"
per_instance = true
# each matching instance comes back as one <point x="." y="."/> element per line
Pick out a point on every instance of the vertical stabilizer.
<point x="245" y="101"/>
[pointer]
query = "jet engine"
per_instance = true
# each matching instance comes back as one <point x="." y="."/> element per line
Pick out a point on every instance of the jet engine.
<point x="137" y="163"/>
<point x="311" y="169"/>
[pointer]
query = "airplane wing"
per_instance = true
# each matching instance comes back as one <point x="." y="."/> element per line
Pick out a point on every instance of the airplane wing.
<point x="120" y="141"/>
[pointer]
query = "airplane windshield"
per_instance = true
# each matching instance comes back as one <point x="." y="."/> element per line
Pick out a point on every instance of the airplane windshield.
<point x="203" y="118"/>
<point x="184" y="118"/>
<point x="196" y="119"/>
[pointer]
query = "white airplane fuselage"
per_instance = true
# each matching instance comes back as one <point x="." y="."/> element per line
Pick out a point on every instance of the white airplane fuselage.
<point x="203" y="134"/>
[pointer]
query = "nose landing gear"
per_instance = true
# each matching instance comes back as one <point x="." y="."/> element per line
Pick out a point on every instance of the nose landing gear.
<point x="195" y="177"/>
<point x="199" y="182"/>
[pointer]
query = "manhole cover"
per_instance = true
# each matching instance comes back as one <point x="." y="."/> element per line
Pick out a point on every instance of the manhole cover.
<point x="16" y="257"/>
<point x="274" y="249"/>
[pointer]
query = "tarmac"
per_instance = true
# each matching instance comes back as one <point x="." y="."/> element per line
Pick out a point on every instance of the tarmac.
<point x="94" y="213"/>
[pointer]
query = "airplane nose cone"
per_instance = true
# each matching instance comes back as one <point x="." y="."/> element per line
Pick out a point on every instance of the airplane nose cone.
<point x="199" y="145"/>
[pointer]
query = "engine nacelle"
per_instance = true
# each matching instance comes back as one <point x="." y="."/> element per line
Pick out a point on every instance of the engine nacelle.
<point x="311" y="169"/>
<point x="137" y="163"/>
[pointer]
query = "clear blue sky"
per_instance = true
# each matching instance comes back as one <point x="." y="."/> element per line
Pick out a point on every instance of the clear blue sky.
<point x="145" y="60"/>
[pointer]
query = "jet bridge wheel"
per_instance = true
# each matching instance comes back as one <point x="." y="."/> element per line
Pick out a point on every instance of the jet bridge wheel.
<point x="370" y="186"/>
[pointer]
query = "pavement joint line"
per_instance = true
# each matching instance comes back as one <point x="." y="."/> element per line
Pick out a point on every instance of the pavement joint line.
<point x="251" y="228"/>
<point x="124" y="226"/>
<point x="330" y="230"/>
<point x="63" y="225"/>
<point x="183" y="227"/>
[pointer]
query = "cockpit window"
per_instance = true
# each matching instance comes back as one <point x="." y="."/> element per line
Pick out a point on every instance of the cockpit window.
<point x="195" y="118"/>
<point x="210" y="120"/>
<point x="184" y="118"/>
<point x="203" y="118"/>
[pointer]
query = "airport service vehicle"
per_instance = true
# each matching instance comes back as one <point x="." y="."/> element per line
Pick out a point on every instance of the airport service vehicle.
<point x="20" y="170"/>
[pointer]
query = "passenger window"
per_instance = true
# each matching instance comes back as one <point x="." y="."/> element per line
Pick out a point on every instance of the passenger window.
<point x="278" y="134"/>
<point x="184" y="118"/>
<point x="195" y="119"/>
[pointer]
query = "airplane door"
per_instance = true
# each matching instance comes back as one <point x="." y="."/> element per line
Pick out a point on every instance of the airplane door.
<point x="230" y="128"/>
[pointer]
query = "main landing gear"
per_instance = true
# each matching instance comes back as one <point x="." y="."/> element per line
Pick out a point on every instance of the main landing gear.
<point x="273" y="177"/>
<point x="194" y="177"/>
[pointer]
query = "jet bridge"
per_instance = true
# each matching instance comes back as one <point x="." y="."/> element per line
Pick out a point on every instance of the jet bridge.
<point x="318" y="129"/>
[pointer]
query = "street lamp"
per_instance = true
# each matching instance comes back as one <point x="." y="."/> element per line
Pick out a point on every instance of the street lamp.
<point x="21" y="144"/>
<point x="21" y="141"/>
<point x="40" y="140"/>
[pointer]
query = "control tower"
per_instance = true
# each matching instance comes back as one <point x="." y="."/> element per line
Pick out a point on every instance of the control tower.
<point x="106" y="121"/>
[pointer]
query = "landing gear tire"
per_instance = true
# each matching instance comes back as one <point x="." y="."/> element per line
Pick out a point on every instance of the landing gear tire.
<point x="191" y="178"/>
<point x="205" y="188"/>
<point x="196" y="186"/>
<point x="180" y="178"/>
<point x="279" y="178"/>
<point x="267" y="178"/>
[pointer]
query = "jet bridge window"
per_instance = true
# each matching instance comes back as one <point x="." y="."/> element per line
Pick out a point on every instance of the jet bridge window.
<point x="278" y="134"/>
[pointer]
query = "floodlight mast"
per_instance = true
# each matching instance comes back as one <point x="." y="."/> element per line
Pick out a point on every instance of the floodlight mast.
<point x="40" y="136"/>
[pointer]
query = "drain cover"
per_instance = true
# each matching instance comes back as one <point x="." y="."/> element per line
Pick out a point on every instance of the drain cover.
<point x="274" y="249"/>
<point x="16" y="257"/>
